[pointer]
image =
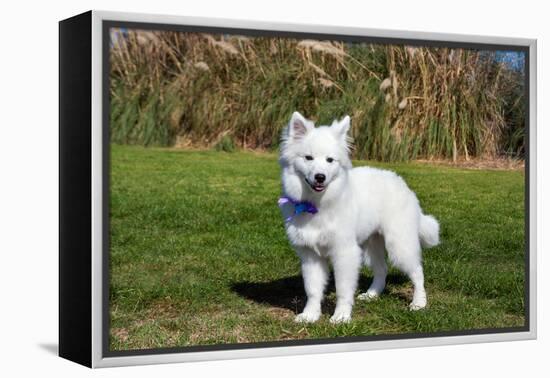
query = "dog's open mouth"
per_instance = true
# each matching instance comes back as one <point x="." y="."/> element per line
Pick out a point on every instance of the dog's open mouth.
<point x="318" y="187"/>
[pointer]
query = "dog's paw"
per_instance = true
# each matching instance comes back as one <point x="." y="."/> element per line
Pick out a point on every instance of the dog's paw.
<point x="340" y="317"/>
<point x="368" y="296"/>
<point x="418" y="304"/>
<point x="307" y="317"/>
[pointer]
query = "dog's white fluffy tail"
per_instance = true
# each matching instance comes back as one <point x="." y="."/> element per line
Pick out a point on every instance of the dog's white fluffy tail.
<point x="429" y="231"/>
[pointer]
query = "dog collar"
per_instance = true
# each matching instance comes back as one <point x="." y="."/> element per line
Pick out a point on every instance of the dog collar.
<point x="299" y="206"/>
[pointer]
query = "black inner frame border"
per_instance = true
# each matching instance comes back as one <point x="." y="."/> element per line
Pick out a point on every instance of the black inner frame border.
<point x="105" y="37"/>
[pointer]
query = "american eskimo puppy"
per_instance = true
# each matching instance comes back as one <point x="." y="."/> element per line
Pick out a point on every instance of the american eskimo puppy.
<point x="347" y="216"/>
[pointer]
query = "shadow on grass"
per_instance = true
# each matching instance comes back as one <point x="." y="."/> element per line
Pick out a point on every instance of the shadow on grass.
<point x="288" y="292"/>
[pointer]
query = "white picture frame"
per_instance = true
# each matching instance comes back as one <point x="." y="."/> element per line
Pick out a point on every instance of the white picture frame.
<point x="82" y="339"/>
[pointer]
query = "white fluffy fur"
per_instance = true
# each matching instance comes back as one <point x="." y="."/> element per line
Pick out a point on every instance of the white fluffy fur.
<point x="362" y="212"/>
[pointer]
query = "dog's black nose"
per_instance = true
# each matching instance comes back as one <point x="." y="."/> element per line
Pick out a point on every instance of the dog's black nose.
<point x="320" y="178"/>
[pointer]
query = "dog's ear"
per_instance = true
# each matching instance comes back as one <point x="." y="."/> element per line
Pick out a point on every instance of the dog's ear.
<point x="298" y="126"/>
<point x="341" y="127"/>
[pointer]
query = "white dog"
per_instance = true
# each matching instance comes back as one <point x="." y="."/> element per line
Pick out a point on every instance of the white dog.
<point x="348" y="216"/>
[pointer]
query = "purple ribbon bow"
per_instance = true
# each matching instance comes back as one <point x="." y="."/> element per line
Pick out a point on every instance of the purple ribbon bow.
<point x="299" y="206"/>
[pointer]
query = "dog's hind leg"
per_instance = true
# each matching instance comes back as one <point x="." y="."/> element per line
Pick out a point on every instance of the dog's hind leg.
<point x="374" y="250"/>
<point x="315" y="274"/>
<point x="404" y="252"/>
<point x="419" y="300"/>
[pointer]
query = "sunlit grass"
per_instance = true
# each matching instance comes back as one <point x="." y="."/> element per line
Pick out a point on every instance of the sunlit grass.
<point x="199" y="254"/>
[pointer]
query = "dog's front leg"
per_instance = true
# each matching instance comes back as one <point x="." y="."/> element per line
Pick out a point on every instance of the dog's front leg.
<point x="315" y="274"/>
<point x="346" y="263"/>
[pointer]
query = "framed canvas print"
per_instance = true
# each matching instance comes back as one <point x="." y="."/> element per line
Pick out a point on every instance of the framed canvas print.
<point x="234" y="189"/>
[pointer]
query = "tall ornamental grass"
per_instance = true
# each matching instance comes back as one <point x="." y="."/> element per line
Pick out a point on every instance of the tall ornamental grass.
<point x="190" y="89"/>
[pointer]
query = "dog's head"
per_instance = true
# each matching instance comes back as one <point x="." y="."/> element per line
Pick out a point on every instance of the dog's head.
<point x="318" y="155"/>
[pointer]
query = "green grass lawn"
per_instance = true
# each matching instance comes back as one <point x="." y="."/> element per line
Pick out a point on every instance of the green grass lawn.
<point x="199" y="253"/>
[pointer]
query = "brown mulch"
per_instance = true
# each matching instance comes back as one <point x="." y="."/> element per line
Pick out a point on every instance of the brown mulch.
<point x="472" y="163"/>
<point x="500" y="164"/>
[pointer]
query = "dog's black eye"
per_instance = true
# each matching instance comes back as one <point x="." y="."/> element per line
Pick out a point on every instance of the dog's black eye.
<point x="309" y="157"/>
<point x="330" y="160"/>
